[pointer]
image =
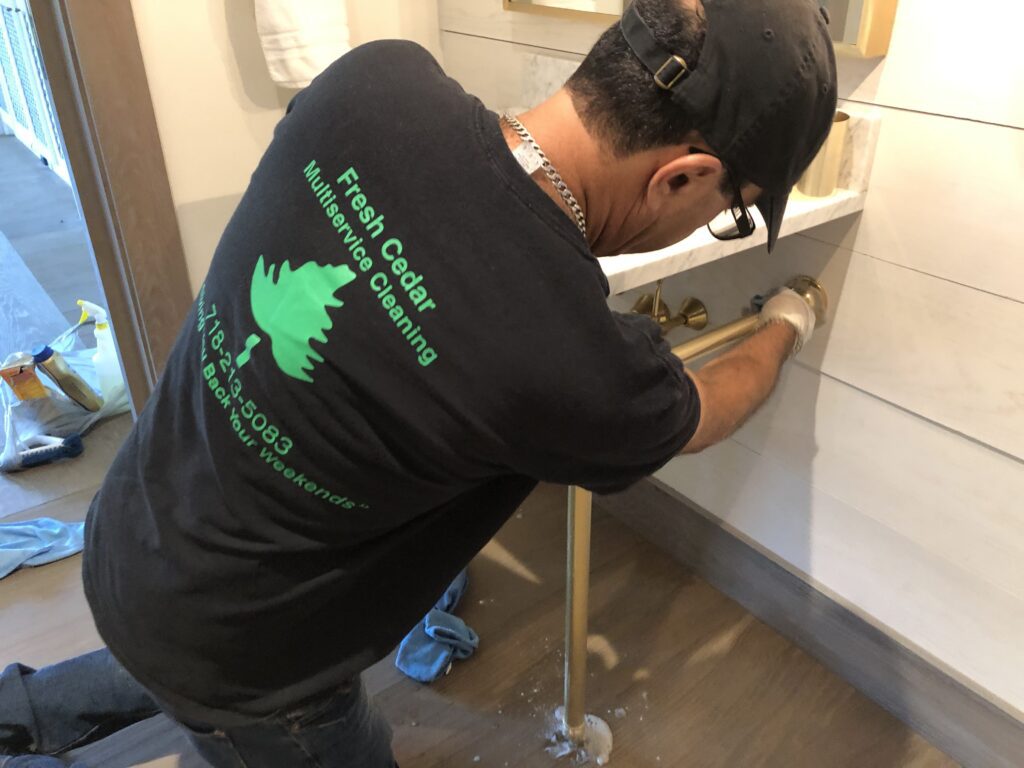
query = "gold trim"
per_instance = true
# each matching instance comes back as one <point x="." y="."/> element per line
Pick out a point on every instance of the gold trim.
<point x="876" y="24"/>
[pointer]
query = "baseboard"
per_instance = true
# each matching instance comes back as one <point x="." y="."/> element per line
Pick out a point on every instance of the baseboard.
<point x="954" y="718"/>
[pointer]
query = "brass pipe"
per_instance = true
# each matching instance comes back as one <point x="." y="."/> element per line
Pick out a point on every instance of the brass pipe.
<point x="577" y="600"/>
<point x="577" y="589"/>
<point x="714" y="340"/>
<point x="807" y="287"/>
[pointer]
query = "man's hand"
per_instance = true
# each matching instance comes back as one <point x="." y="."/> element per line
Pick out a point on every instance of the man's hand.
<point x="788" y="306"/>
<point x="735" y="384"/>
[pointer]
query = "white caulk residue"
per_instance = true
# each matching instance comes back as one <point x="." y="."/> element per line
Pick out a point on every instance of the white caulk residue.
<point x="597" y="740"/>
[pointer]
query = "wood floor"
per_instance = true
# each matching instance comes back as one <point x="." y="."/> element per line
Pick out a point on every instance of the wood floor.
<point x="684" y="676"/>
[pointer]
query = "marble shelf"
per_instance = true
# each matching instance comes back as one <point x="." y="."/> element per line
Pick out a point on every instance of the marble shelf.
<point x="544" y="74"/>
<point x="636" y="269"/>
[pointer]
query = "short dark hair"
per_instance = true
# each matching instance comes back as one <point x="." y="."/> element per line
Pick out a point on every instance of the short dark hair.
<point x="616" y="96"/>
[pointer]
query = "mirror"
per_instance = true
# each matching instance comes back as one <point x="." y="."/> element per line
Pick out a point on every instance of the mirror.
<point x="861" y="27"/>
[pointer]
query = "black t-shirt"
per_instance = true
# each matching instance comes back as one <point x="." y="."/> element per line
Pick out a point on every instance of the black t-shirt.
<point x="399" y="335"/>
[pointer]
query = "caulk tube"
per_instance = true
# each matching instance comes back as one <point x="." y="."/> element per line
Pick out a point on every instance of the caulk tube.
<point x="71" y="384"/>
<point x="19" y="372"/>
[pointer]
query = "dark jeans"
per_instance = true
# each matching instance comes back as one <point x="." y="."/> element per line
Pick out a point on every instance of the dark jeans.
<point x="342" y="730"/>
<point x="67" y="705"/>
<point x="82" y="700"/>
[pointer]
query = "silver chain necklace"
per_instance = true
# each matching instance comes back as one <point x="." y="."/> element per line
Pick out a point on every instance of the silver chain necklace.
<point x="549" y="170"/>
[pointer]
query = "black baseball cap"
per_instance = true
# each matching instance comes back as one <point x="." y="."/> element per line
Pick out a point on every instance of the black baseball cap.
<point x="762" y="93"/>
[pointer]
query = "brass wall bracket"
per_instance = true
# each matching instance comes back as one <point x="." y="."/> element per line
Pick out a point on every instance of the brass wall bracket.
<point x="692" y="312"/>
<point x="809" y="289"/>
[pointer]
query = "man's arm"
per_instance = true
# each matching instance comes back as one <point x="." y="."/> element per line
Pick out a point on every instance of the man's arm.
<point x="735" y="384"/>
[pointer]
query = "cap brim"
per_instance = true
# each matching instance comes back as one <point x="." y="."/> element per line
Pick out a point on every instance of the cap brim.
<point x="773" y="207"/>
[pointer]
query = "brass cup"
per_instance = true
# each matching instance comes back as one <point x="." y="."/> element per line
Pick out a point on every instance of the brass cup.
<point x="692" y="313"/>
<point x="822" y="175"/>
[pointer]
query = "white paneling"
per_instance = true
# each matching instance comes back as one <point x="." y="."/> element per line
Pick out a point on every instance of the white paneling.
<point x="949" y="353"/>
<point x="487" y="18"/>
<point x="959" y="61"/>
<point x="946" y="352"/>
<point x="960" y="620"/>
<point x="946" y="198"/>
<point x="948" y="59"/>
<point x="954" y="498"/>
<point x="504" y="75"/>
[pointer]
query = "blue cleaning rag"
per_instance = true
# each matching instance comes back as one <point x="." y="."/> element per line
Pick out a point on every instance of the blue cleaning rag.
<point x="428" y="650"/>
<point x="38" y="542"/>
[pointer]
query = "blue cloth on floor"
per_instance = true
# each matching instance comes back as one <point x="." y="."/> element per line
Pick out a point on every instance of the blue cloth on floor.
<point x="428" y="650"/>
<point x="38" y="542"/>
<point x="451" y="597"/>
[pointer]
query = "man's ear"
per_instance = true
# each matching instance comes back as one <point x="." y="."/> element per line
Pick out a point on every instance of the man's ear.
<point x="691" y="174"/>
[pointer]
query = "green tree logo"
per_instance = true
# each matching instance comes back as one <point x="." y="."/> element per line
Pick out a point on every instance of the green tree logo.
<point x="292" y="310"/>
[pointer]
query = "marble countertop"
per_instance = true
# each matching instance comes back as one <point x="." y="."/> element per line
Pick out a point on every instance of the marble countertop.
<point x="636" y="269"/>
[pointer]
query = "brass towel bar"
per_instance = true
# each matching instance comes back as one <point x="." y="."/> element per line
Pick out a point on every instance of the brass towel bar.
<point x="581" y="501"/>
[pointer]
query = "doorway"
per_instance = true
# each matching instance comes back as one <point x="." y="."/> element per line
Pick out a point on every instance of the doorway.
<point x="78" y="223"/>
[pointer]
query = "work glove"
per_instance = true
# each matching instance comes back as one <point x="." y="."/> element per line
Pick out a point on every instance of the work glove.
<point x="787" y="305"/>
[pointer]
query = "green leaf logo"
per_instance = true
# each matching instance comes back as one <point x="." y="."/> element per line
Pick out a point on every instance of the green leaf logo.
<point x="291" y="309"/>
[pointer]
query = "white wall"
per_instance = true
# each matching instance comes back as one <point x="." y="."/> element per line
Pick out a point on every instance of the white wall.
<point x="888" y="469"/>
<point x="216" y="106"/>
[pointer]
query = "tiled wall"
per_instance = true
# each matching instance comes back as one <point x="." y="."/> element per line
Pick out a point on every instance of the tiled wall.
<point x="888" y="469"/>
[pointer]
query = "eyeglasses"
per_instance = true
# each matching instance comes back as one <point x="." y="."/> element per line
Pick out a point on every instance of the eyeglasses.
<point x="736" y="222"/>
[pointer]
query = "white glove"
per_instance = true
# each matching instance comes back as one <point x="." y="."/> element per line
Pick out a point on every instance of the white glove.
<point x="789" y="306"/>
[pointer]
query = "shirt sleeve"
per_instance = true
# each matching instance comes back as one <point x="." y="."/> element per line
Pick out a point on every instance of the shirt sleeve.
<point x="616" y="406"/>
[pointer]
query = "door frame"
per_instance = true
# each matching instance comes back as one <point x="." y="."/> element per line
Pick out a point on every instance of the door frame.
<point x="93" y="61"/>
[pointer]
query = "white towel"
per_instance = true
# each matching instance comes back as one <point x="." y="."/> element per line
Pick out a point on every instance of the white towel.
<point x="301" y="38"/>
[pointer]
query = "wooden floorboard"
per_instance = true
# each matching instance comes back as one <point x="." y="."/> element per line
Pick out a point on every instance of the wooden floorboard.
<point x="916" y="688"/>
<point x="684" y="676"/>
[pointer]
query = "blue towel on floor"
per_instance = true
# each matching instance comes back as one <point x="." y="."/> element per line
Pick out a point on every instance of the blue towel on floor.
<point x="427" y="652"/>
<point x="38" y="542"/>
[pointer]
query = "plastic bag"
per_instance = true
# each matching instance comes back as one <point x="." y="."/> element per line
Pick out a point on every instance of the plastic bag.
<point x="56" y="415"/>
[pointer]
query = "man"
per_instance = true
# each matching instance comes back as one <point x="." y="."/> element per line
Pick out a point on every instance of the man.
<point x="403" y="329"/>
